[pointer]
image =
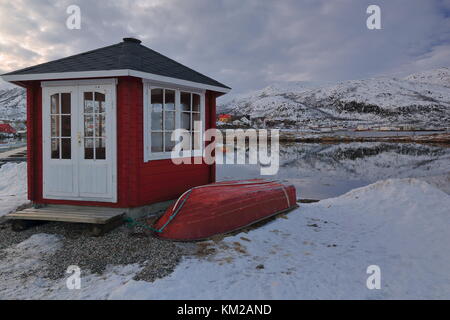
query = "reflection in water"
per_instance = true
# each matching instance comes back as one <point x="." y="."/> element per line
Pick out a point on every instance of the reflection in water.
<point x="325" y="170"/>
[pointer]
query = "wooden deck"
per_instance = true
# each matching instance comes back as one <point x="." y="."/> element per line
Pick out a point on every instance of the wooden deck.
<point x="75" y="214"/>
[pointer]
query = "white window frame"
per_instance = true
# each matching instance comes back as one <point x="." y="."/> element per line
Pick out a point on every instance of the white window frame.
<point x="148" y="86"/>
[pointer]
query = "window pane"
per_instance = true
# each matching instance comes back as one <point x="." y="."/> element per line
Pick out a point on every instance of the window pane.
<point x="157" y="100"/>
<point x="156" y="120"/>
<point x="185" y="101"/>
<point x="169" y="120"/>
<point x="99" y="102"/>
<point x="54" y="103"/>
<point x="196" y="117"/>
<point x="55" y="148"/>
<point x="157" y="142"/>
<point x="54" y="126"/>
<point x="88" y="126"/>
<point x="65" y="148"/>
<point x="169" y="144"/>
<point x="170" y="100"/>
<point x="88" y="103"/>
<point x="65" y="103"/>
<point x="99" y="125"/>
<point x="100" y="150"/>
<point x="89" y="148"/>
<point x="157" y="103"/>
<point x="186" y="120"/>
<point x="195" y="102"/>
<point x="65" y="126"/>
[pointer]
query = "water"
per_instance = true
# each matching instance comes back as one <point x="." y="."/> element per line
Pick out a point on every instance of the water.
<point x="385" y="133"/>
<point x="321" y="171"/>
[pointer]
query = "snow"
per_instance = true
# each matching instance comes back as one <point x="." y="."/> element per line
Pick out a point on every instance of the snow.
<point x="439" y="76"/>
<point x="387" y="93"/>
<point x="441" y="181"/>
<point x="13" y="186"/>
<point x="318" y="251"/>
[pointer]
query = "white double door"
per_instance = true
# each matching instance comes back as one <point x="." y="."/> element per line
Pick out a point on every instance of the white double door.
<point x="79" y="142"/>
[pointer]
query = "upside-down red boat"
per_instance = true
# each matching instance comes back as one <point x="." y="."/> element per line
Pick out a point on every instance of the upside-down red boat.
<point x="222" y="207"/>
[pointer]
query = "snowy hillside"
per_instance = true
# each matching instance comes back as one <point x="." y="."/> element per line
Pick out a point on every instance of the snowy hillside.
<point x="422" y="98"/>
<point x="12" y="104"/>
<point x="439" y="77"/>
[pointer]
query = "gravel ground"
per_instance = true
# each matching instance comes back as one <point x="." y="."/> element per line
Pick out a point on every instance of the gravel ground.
<point x="120" y="246"/>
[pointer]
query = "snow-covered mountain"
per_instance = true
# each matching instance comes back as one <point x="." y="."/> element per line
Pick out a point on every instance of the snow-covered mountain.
<point x="12" y="104"/>
<point x="422" y="98"/>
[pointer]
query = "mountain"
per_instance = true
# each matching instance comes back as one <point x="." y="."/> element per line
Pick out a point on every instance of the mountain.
<point x="422" y="98"/>
<point x="12" y="104"/>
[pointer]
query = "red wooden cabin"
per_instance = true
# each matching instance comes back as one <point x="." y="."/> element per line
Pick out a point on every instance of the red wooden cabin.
<point x="99" y="126"/>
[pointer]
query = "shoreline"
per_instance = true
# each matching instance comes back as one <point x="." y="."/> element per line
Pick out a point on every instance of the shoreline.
<point x="443" y="138"/>
<point x="440" y="137"/>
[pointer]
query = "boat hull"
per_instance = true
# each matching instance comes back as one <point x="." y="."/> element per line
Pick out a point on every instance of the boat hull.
<point x="223" y="207"/>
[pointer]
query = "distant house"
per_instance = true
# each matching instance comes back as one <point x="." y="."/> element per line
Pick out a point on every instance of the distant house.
<point x="389" y="129"/>
<point x="224" y="117"/>
<point x="362" y="128"/>
<point x="6" y="128"/>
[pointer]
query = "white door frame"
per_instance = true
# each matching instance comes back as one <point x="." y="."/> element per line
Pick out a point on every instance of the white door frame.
<point x="75" y="88"/>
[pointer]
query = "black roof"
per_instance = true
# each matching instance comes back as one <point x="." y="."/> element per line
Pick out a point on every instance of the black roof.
<point x="129" y="54"/>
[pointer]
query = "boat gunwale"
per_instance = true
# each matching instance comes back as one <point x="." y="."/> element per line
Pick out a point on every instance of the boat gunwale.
<point x="295" y="206"/>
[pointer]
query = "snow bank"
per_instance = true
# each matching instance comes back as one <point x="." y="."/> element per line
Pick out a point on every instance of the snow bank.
<point x="13" y="186"/>
<point x="439" y="181"/>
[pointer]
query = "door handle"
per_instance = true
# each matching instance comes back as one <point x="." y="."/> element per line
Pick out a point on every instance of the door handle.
<point x="79" y="138"/>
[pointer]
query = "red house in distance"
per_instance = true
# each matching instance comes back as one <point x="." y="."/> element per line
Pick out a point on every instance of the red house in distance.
<point x="99" y="126"/>
<point x="6" y="128"/>
<point x="224" y="117"/>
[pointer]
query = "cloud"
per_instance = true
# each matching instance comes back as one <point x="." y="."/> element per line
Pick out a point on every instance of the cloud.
<point x="244" y="44"/>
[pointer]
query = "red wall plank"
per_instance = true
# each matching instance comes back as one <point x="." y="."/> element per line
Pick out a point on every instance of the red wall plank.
<point x="30" y="138"/>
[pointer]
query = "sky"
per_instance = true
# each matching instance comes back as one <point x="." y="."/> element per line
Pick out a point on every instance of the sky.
<point x="246" y="44"/>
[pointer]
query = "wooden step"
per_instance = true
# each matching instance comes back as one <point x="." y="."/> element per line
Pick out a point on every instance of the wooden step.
<point x="69" y="214"/>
